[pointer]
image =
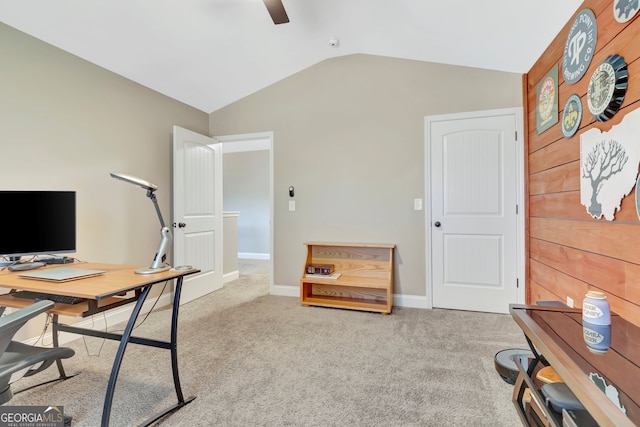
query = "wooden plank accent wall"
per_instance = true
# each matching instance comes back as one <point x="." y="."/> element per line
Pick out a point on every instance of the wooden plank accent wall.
<point x="569" y="252"/>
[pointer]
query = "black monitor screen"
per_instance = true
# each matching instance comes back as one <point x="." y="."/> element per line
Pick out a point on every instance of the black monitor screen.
<point x="37" y="222"/>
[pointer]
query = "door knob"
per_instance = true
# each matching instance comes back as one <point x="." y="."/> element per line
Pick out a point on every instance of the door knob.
<point x="437" y="224"/>
<point x="179" y="225"/>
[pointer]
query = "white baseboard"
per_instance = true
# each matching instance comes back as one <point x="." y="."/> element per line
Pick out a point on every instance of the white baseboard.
<point x="251" y="255"/>
<point x="285" y="291"/>
<point x="410" y="301"/>
<point x="230" y="277"/>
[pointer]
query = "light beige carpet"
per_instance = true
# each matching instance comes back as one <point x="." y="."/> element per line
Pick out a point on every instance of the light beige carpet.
<point x="258" y="360"/>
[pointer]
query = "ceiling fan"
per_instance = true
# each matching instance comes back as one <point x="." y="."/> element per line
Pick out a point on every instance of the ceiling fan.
<point x="277" y="12"/>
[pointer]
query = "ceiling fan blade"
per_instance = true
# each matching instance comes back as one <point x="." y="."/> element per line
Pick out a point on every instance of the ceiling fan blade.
<point x="277" y="12"/>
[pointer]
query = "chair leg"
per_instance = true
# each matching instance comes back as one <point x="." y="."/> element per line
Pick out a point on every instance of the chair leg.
<point x="6" y="395"/>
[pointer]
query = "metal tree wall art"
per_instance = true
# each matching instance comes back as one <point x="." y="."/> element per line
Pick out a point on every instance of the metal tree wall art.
<point x="609" y="166"/>
<point x="606" y="159"/>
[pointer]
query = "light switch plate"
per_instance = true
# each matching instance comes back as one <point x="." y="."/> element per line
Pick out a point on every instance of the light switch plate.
<point x="292" y="205"/>
<point x="417" y="204"/>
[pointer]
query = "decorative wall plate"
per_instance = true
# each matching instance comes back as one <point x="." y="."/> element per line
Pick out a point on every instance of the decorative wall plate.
<point x="624" y="10"/>
<point x="547" y="100"/>
<point x="607" y="87"/>
<point x="571" y="116"/>
<point x="580" y="46"/>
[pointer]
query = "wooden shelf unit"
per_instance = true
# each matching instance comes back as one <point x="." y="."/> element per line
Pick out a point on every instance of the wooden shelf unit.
<point x="366" y="276"/>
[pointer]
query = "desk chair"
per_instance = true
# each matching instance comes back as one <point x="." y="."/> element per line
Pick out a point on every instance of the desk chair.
<point x="18" y="360"/>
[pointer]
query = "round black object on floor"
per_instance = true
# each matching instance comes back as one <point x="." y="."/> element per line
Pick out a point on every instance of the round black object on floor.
<point x="506" y="366"/>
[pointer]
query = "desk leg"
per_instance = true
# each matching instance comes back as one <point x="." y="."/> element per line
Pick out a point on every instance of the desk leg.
<point x="108" y="400"/>
<point x="174" y="339"/>
<point x="126" y="336"/>
<point x="173" y="346"/>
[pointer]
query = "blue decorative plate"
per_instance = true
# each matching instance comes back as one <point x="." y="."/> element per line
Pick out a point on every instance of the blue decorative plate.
<point x="571" y="116"/>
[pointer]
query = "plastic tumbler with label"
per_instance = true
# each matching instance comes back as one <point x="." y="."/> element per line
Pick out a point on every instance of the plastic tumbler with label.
<point x="595" y="309"/>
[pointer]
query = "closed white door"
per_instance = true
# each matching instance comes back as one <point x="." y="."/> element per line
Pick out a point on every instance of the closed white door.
<point x="473" y="226"/>
<point x="197" y="211"/>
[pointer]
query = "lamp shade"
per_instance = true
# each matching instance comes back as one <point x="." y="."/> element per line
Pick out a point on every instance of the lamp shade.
<point x="135" y="180"/>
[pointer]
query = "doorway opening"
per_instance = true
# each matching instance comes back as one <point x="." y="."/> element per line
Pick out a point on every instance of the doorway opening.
<point x="247" y="163"/>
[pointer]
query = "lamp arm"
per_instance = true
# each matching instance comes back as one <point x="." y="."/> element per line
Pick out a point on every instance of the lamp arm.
<point x="152" y="196"/>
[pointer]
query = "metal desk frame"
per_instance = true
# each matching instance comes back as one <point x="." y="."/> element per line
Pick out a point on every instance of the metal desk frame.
<point x="97" y="303"/>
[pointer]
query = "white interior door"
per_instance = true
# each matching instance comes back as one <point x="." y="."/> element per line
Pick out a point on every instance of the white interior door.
<point x="474" y="225"/>
<point x="197" y="211"/>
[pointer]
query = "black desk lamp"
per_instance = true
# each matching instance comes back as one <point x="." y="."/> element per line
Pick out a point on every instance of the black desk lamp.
<point x="158" y="264"/>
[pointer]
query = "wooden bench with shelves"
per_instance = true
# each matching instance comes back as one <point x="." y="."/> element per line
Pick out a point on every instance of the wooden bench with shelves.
<point x="365" y="279"/>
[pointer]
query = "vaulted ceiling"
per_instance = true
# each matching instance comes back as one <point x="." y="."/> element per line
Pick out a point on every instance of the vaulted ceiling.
<point x="210" y="53"/>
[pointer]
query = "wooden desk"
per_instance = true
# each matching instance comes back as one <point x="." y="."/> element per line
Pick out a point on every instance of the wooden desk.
<point x="101" y="293"/>
<point x="556" y="333"/>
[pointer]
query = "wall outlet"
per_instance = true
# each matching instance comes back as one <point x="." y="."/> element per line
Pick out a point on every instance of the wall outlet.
<point x="292" y="205"/>
<point x="570" y="302"/>
<point x="417" y="204"/>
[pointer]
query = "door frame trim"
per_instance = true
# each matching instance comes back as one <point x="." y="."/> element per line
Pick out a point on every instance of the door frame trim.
<point x="517" y="112"/>
<point x="254" y="142"/>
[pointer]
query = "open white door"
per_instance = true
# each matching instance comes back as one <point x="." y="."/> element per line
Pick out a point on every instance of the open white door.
<point x="197" y="211"/>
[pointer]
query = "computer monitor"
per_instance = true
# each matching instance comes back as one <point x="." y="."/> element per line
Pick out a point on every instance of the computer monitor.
<point x="37" y="223"/>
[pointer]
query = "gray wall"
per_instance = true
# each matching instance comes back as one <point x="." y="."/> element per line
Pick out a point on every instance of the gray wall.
<point x="230" y="245"/>
<point x="246" y="190"/>
<point x="67" y="123"/>
<point x="349" y="136"/>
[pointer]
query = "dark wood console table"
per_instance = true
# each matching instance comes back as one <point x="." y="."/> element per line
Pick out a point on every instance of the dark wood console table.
<point x="556" y="336"/>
